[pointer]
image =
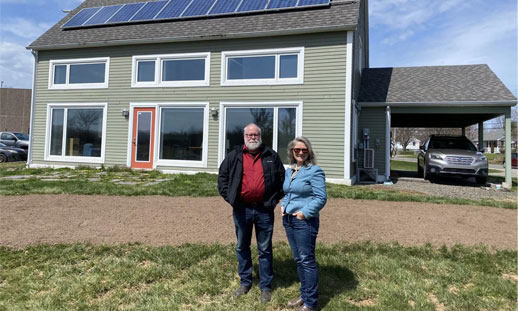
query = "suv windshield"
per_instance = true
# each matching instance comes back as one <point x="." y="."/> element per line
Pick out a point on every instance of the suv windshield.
<point x="451" y="143"/>
<point x="21" y="136"/>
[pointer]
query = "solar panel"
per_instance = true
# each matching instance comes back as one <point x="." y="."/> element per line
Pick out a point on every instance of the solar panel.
<point x="81" y="17"/>
<point x="198" y="8"/>
<point x="312" y="2"/>
<point x="126" y="13"/>
<point x="174" y="9"/>
<point x="223" y="7"/>
<point x="281" y="4"/>
<point x="149" y="11"/>
<point x="103" y="15"/>
<point x="252" y="5"/>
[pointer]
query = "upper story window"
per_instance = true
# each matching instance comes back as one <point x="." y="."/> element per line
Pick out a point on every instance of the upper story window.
<point x="263" y="67"/>
<point x="172" y="70"/>
<point x="79" y="73"/>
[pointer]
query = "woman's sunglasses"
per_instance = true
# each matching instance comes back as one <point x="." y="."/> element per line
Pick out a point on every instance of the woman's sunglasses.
<point x="299" y="150"/>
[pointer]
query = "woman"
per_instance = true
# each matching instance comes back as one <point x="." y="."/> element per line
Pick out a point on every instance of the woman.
<point x="305" y="195"/>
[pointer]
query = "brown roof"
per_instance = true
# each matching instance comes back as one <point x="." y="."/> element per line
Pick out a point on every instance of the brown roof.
<point x="340" y="15"/>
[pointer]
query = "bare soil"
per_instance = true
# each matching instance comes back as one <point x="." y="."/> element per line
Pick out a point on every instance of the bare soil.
<point x="158" y="220"/>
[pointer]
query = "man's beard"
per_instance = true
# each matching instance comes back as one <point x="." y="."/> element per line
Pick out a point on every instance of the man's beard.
<point x="253" y="145"/>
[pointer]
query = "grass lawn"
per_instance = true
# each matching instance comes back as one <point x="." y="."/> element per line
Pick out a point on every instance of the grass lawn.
<point x="117" y="181"/>
<point x="360" y="276"/>
<point x="403" y="165"/>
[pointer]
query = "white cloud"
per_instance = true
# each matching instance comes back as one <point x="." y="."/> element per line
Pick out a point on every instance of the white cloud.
<point x="24" y="28"/>
<point x="16" y="65"/>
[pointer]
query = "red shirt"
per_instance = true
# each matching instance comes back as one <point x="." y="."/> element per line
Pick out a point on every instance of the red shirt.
<point x="252" y="184"/>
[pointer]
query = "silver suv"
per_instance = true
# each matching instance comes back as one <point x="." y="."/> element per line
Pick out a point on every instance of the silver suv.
<point x="452" y="156"/>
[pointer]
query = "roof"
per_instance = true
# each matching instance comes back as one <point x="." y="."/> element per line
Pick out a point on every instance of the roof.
<point x="340" y="15"/>
<point x="433" y="84"/>
<point x="494" y="134"/>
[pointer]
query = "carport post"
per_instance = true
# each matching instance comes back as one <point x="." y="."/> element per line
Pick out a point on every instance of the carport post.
<point x="463" y="131"/>
<point x="508" y="177"/>
<point x="480" y="135"/>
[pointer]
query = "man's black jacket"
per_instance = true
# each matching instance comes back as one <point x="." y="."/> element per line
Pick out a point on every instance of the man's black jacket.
<point x="231" y="174"/>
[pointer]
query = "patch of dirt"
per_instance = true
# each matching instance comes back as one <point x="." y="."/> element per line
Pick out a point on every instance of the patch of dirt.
<point x="159" y="220"/>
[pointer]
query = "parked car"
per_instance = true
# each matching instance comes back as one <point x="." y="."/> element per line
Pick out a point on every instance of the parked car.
<point x="15" y="139"/>
<point x="514" y="160"/>
<point x="8" y="154"/>
<point x="451" y="156"/>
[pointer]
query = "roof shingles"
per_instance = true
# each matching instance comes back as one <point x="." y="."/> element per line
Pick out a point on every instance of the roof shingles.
<point x="463" y="83"/>
<point x="341" y="15"/>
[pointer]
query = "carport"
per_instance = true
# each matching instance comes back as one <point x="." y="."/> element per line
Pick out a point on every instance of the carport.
<point x="435" y="96"/>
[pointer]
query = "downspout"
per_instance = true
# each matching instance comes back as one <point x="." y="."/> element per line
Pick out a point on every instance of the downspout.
<point x="348" y="108"/>
<point x="31" y="131"/>
<point x="387" y="144"/>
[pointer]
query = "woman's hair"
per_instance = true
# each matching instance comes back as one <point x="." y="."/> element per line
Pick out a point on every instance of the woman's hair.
<point x="311" y="155"/>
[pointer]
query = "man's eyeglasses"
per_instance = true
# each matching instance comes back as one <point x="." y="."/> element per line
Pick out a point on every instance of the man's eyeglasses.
<point x="299" y="150"/>
<point x="252" y="135"/>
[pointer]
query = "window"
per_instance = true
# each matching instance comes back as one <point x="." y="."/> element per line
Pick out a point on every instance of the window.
<point x="183" y="134"/>
<point x="79" y="73"/>
<point x="263" y="67"/>
<point x="173" y="70"/>
<point x="280" y="123"/>
<point x="76" y="132"/>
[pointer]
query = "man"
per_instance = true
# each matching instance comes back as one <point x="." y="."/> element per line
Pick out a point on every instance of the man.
<point x="250" y="179"/>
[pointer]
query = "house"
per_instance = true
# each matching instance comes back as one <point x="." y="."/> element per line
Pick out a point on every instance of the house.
<point x="170" y="85"/>
<point x="494" y="140"/>
<point x="15" y="110"/>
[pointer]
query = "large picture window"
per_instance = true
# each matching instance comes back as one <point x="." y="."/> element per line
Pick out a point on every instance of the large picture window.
<point x="279" y="123"/>
<point x="79" y="73"/>
<point x="76" y="133"/>
<point x="183" y="137"/>
<point x="263" y="67"/>
<point x="171" y="70"/>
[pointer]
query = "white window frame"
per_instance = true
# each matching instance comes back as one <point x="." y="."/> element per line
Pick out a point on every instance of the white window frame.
<point x="158" y="124"/>
<point x="299" y="51"/>
<point x="159" y="59"/>
<point x="78" y="61"/>
<point x="48" y="137"/>
<point x="223" y="106"/>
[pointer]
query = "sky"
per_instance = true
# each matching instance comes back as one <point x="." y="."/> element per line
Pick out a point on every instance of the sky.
<point x="402" y="33"/>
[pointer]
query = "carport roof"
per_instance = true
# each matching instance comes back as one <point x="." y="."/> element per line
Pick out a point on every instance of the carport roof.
<point x="433" y="84"/>
<point x="436" y="96"/>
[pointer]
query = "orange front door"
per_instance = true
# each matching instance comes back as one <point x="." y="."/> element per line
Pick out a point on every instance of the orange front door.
<point x="143" y="138"/>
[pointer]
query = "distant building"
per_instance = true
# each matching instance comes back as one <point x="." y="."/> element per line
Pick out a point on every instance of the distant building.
<point x="15" y="110"/>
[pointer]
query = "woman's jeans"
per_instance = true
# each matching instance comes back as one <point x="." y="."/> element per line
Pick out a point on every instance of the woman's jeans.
<point x="302" y="236"/>
<point x="246" y="217"/>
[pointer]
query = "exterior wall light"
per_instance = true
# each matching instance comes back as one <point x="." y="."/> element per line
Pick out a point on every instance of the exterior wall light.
<point x="125" y="112"/>
<point x="214" y="112"/>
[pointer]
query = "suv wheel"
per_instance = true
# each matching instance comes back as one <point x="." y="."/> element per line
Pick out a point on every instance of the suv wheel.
<point x="481" y="180"/>
<point x="3" y="158"/>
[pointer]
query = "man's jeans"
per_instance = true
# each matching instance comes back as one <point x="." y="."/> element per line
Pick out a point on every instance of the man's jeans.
<point x="245" y="217"/>
<point x="302" y="236"/>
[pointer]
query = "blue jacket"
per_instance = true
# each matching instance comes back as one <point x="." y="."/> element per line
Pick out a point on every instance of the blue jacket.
<point x="306" y="192"/>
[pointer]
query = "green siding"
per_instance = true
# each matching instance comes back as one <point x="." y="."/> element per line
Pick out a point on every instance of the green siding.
<point x="323" y="93"/>
<point x="375" y="120"/>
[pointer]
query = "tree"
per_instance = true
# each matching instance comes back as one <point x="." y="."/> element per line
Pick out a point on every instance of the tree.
<point x="404" y="135"/>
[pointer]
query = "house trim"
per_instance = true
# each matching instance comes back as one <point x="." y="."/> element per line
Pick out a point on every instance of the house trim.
<point x="348" y="106"/>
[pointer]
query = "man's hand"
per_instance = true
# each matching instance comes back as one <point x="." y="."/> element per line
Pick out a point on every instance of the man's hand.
<point x="282" y="211"/>
<point x="299" y="215"/>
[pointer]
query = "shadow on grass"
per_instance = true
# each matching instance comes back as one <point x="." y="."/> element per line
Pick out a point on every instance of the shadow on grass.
<point x="333" y="279"/>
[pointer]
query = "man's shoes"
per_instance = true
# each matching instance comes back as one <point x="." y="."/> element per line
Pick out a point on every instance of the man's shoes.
<point x="304" y="308"/>
<point x="266" y="296"/>
<point x="242" y="290"/>
<point x="294" y="303"/>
